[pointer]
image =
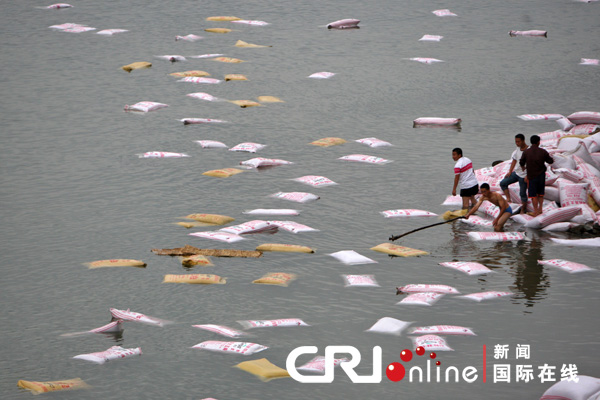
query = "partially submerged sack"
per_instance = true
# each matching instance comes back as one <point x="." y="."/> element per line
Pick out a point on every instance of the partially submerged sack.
<point x="286" y="248"/>
<point x="407" y="213"/>
<point x="211" y="218"/>
<point x="127" y="315"/>
<point x="192" y="121"/>
<point x="145" y="106"/>
<point x="469" y="268"/>
<point x="120" y="262"/>
<point x="162" y="154"/>
<point x="211" y="144"/>
<point x="431" y="343"/>
<point x="437" y="121"/>
<point x="396" y="250"/>
<point x="317" y="365"/>
<point x="594" y="242"/>
<point x="422" y="298"/>
<point x="477" y="221"/>
<point x="228" y="60"/>
<point x="586" y="388"/>
<point x="388" y="325"/>
<point x="373" y="142"/>
<point x="263" y="369"/>
<point x="244" y="348"/>
<point x="218" y="30"/>
<point x="113" y="353"/>
<point x="200" y="79"/>
<point x="136" y="65"/>
<point x="250" y="22"/>
<point x="197" y="259"/>
<point x="417" y="288"/>
<point x="315" y="180"/>
<point x="188" y="38"/>
<point x="343" y="24"/>
<point x="276" y="278"/>
<point x="497" y="236"/>
<point x="218" y="235"/>
<point x="223" y="18"/>
<point x="51" y="386"/>
<point x="560" y="227"/>
<point x="272" y="211"/>
<point x="321" y="75"/>
<point x="287" y="322"/>
<point x="567" y="266"/>
<point x="485" y="295"/>
<point x="223" y="173"/>
<point x="328" y="141"/>
<point x="241" y="43"/>
<point x="235" y="77"/>
<point x="255" y="226"/>
<point x="221" y="330"/>
<point x="269" y="99"/>
<point x="184" y="74"/>
<point x="249" y="147"/>
<point x="364" y="159"/>
<point x="442" y="330"/>
<point x="292" y="226"/>
<point x="298" y="197"/>
<point x="351" y="257"/>
<point x="195" y="278"/>
<point x="360" y="281"/>
<point x="259" y="162"/>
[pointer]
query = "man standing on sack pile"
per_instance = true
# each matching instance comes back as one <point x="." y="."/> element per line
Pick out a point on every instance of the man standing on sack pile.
<point x="516" y="173"/>
<point x="533" y="161"/>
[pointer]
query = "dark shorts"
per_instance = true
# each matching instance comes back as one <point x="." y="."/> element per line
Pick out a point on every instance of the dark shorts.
<point x="509" y="210"/>
<point x="536" y="186"/>
<point x="472" y="191"/>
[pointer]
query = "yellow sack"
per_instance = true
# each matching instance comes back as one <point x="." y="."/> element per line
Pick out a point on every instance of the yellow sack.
<point x="264" y="369"/>
<point x="218" y="30"/>
<point x="211" y="218"/>
<point x="286" y="248"/>
<point x="401" y="251"/>
<point x="190" y="73"/>
<point x="241" y="43"/>
<point x="223" y="18"/>
<point x="223" y="173"/>
<point x="328" y="141"/>
<point x="52" y="386"/>
<point x="121" y="262"/>
<point x="198" y="259"/>
<point x="245" y="103"/>
<point x="592" y="203"/>
<point x="194" y="224"/>
<point x="269" y="99"/>
<point x="276" y="278"/>
<point x="235" y="77"/>
<point x="453" y="214"/>
<point x="206" y="279"/>
<point x="136" y="65"/>
<point x="228" y="59"/>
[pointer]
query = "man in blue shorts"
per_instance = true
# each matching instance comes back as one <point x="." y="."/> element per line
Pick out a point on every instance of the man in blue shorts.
<point x="533" y="162"/>
<point x="497" y="199"/>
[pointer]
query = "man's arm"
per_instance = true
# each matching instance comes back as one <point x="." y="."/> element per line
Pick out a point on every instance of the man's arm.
<point x="475" y="208"/>
<point x="456" y="178"/>
<point x="512" y="168"/>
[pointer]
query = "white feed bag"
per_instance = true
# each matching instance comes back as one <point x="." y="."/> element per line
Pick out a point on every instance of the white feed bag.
<point x="188" y="38"/>
<point x="211" y="144"/>
<point x="477" y="221"/>
<point x="145" y="106"/>
<point x="317" y="365"/>
<point x="58" y="6"/>
<point x="436" y="120"/>
<point x="218" y="235"/>
<point x="127" y="315"/>
<point x="521" y="218"/>
<point x="594" y="189"/>
<point x="248" y="147"/>
<point x="65" y="26"/>
<point x="452" y="201"/>
<point x="442" y="330"/>
<point x="431" y="343"/>
<point x="469" y="268"/>
<point x="111" y="327"/>
<point x="221" y="330"/>
<point x="444" y="13"/>
<point x="586" y="388"/>
<point x="113" y="353"/>
<point x="162" y="154"/>
<point x="529" y="33"/>
<point x="343" y="24"/>
<point x="594" y="242"/>
<point x="172" y="58"/>
<point x="589" y="61"/>
<point x="360" y="281"/>
<point x="321" y="75"/>
<point x="292" y="226"/>
<point x="351" y="257"/>
<point x="245" y="348"/>
<point x="431" y="38"/>
<point x="110" y="32"/>
<point x="571" y="175"/>
<point x="315" y="181"/>
<point x="256" y="226"/>
<point x="373" y="142"/>
<point x="407" y="213"/>
<point x="207" y="55"/>
<point x="551" y="217"/>
<point x="416" y="288"/>
<point x="287" y="322"/>
<point x="259" y="162"/>
<point x="425" y="60"/>
<point x="79" y="29"/>
<point x="250" y="22"/>
<point x="592" y="143"/>
<point x="422" y="298"/>
<point x="565" y="124"/>
<point x="364" y="158"/>
<point x="585" y="117"/>
<point x="485" y="295"/>
<point x="540" y="117"/>
<point x="272" y="211"/>
<point x="567" y="266"/>
<point x="298" y="197"/>
<point x="202" y="96"/>
<point x="190" y="121"/>
<point x="496" y="236"/>
<point x="560" y="227"/>
<point x="200" y="79"/>
<point x="563" y="161"/>
<point x="587" y="215"/>
<point x="390" y="326"/>
<point x="585" y="129"/>
<point x="572" y="194"/>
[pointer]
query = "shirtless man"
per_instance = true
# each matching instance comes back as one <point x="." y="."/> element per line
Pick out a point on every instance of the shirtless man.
<point x="497" y="199"/>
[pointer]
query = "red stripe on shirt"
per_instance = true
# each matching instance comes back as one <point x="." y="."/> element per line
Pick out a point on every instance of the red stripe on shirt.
<point x="463" y="169"/>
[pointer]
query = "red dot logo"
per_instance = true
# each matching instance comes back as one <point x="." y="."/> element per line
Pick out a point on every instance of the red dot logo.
<point x="432" y="355"/>
<point x="420" y="350"/>
<point x="395" y="372"/>
<point x="406" y="355"/>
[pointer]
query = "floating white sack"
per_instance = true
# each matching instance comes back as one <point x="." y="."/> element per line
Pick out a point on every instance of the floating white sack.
<point x="298" y="197"/>
<point x="287" y="322"/>
<point x="442" y="330"/>
<point x="203" y="96"/>
<point x="272" y="211"/>
<point x="245" y="348"/>
<point x="560" y="227"/>
<point x="343" y="24"/>
<point x="485" y="295"/>
<point x="444" y="13"/>
<point x="373" y="142"/>
<point x="256" y="226"/>
<point x="529" y="33"/>
<point x="595" y="242"/>
<point x="127" y="315"/>
<point x="200" y="79"/>
<point x="111" y="327"/>
<point x="365" y="159"/>
<point x="322" y="75"/>
<point x="437" y="121"/>
<point x="207" y="55"/>
<point x="573" y="194"/>
<point x="162" y="154"/>
<point x="477" y="221"/>
<point x="110" y="32"/>
<point x="211" y="144"/>
<point x="79" y="29"/>
<point x="417" y="288"/>
<point x="188" y="38"/>
<point x="422" y="298"/>
<point x="360" y="281"/>
<point x="190" y="121"/>
<point x="218" y="235"/>
<point x="258" y="162"/>
<point x="452" y="201"/>
<point x="469" y="268"/>
<point x="431" y="38"/>
<point x="407" y="213"/>
<point x="145" y="106"/>
<point x="567" y="266"/>
<point x="113" y="353"/>
<point x="221" y="330"/>
<point x="540" y="117"/>
<point x="497" y="236"/>
<point x="172" y="58"/>
<point x="390" y="326"/>
<point x="351" y="257"/>
<point x="551" y="217"/>
<point x="589" y="61"/>
<point x="250" y="22"/>
<point x="292" y="226"/>
<point x="317" y="365"/>
<point x="248" y="147"/>
<point x="431" y="343"/>
<point x="315" y="180"/>
<point x="585" y="117"/>
<point x="425" y="60"/>
<point x="58" y="6"/>
<point x="584" y="388"/>
<point x="66" y="25"/>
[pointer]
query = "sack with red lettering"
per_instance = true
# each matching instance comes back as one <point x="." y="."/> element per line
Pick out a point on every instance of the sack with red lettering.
<point x="567" y="266"/>
<point x="442" y="330"/>
<point x="585" y="129"/>
<point x="422" y="298"/>
<point x="563" y="161"/>
<point x="221" y="330"/>
<point x="477" y="221"/>
<point x="218" y="235"/>
<point x="469" y="268"/>
<point x="588" y="170"/>
<point x="245" y="348"/>
<point x="365" y="159"/>
<point x="484" y="173"/>
<point x="298" y="197"/>
<point x="551" y="217"/>
<point x="587" y="215"/>
<point x="572" y="194"/>
<point x="592" y="143"/>
<point x="585" y="117"/>
<point x="258" y="162"/>
<point x="360" y="281"/>
<point x="416" y="288"/>
<point x="249" y="324"/>
<point x="292" y="226"/>
<point x="521" y="218"/>
<point x="502" y="168"/>
<point x="317" y="364"/>
<point x="206" y="144"/>
<point x="571" y="175"/>
<point x="315" y="180"/>
<point x="407" y="212"/>
<point x="586" y="388"/>
<point x="389" y="326"/>
<point x="485" y="295"/>
<point x="452" y="201"/>
<point x="127" y="315"/>
<point x="431" y="343"/>
<point x="113" y="353"/>
<point x="490" y="209"/>
<point x="594" y="189"/>
<point x="248" y="147"/>
<point x="496" y="236"/>
<point x="373" y="142"/>
<point x="145" y="106"/>
<point x="256" y="226"/>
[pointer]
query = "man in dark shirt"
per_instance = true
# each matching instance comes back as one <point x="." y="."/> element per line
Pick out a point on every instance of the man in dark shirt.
<point x="533" y="162"/>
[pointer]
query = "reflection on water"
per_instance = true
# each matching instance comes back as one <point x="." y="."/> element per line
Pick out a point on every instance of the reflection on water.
<point x="530" y="280"/>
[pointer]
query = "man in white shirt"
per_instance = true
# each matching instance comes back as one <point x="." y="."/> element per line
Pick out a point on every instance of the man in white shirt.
<point x="516" y="173"/>
<point x="464" y="178"/>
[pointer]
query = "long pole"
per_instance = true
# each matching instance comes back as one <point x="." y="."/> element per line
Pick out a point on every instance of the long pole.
<point x="392" y="238"/>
